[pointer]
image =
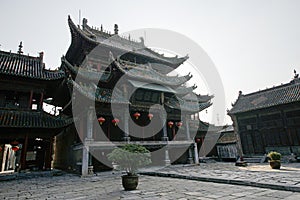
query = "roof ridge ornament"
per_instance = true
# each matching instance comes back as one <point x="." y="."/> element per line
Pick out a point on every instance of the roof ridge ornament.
<point x="240" y="93"/>
<point x="295" y="74"/>
<point x="116" y="29"/>
<point x="142" y="40"/>
<point x="20" y="48"/>
<point x="84" y="22"/>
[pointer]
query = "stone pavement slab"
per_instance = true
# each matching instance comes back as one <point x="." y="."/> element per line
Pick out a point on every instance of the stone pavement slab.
<point x="256" y="175"/>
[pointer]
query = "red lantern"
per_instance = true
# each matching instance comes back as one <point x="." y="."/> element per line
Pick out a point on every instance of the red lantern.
<point x="101" y="120"/>
<point x="150" y="116"/>
<point x="115" y="121"/>
<point x="170" y="123"/>
<point x="15" y="148"/>
<point x="198" y="140"/>
<point x="15" y="145"/>
<point x="136" y="115"/>
<point x="179" y="124"/>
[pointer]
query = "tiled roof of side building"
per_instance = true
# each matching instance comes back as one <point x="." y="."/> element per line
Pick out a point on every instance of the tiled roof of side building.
<point x="20" y="65"/>
<point x="227" y="138"/>
<point x="31" y="119"/>
<point x="283" y="94"/>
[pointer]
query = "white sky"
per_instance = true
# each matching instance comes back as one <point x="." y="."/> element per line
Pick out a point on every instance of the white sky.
<point x="254" y="43"/>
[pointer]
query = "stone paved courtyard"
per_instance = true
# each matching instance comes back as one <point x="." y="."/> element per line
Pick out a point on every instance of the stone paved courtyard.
<point x="107" y="185"/>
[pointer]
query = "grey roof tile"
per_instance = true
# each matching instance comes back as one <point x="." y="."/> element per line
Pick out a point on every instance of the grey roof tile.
<point x="26" y="66"/>
<point x="283" y="94"/>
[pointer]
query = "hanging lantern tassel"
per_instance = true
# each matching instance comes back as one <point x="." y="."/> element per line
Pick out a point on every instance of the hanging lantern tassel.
<point x="170" y="123"/>
<point x="150" y="116"/>
<point x="179" y="124"/>
<point x="115" y="121"/>
<point x="136" y="115"/>
<point x="101" y="120"/>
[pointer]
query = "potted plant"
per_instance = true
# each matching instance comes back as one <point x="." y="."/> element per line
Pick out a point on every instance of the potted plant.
<point x="129" y="158"/>
<point x="274" y="159"/>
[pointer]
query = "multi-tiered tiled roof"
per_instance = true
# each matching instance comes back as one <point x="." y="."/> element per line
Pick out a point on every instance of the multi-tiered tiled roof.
<point x="104" y="66"/>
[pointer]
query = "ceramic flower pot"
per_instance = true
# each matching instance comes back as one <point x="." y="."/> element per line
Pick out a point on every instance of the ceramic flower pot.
<point x="275" y="164"/>
<point x="130" y="182"/>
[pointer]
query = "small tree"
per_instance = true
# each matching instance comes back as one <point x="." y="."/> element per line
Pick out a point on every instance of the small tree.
<point x="273" y="155"/>
<point x="130" y="157"/>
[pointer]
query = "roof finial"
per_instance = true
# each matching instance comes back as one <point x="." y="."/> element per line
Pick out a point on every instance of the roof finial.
<point x="142" y="40"/>
<point x="101" y="28"/>
<point x="296" y="75"/>
<point x="116" y="29"/>
<point x="84" y="22"/>
<point x="41" y="56"/>
<point x="20" y="48"/>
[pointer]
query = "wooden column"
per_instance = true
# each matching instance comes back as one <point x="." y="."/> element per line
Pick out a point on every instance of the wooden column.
<point x="126" y="137"/>
<point x="89" y="124"/>
<point x="81" y="132"/>
<point x="48" y="153"/>
<point x="108" y="129"/>
<point x="87" y="167"/>
<point x="24" y="152"/>
<point x="164" y="121"/>
<point x="287" y="130"/>
<point x="190" y="156"/>
<point x="167" y="157"/>
<point x="196" y="154"/>
<point x="85" y="161"/>
<point x="187" y="128"/>
<point x="30" y="99"/>
<point x="41" y="101"/>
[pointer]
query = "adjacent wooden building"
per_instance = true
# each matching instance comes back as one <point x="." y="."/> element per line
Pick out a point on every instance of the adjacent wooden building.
<point x="269" y="120"/>
<point x="26" y="130"/>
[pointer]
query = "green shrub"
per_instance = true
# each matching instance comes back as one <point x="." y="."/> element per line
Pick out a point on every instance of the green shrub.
<point x="273" y="155"/>
<point x="130" y="157"/>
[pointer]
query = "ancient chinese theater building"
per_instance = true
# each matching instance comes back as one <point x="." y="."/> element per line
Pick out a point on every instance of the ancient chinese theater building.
<point x="112" y="110"/>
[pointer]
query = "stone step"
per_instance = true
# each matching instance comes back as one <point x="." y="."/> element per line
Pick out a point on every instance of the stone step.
<point x="256" y="159"/>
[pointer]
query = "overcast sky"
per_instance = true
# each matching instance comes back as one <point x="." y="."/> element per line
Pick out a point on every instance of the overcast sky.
<point x="254" y="44"/>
